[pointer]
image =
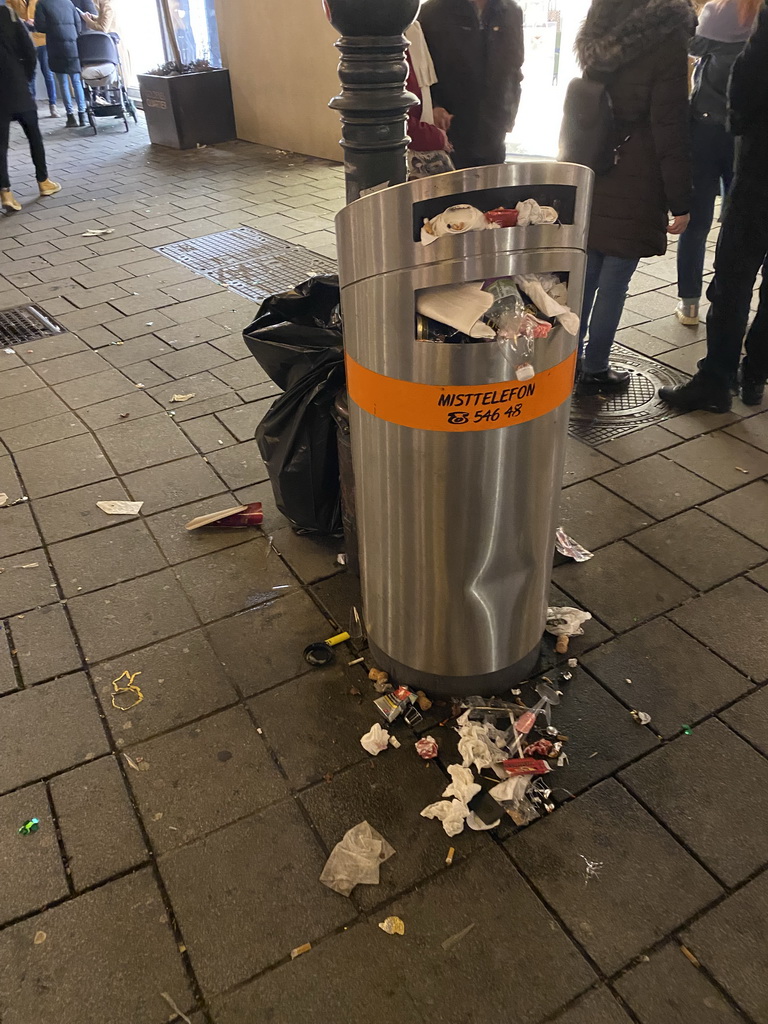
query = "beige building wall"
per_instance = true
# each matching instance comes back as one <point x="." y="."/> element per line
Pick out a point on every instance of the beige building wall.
<point x="282" y="63"/>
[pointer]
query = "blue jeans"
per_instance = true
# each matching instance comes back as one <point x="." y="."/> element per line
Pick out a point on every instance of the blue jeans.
<point x="713" y="155"/>
<point x="605" y="292"/>
<point x="50" y="81"/>
<point x="77" y="85"/>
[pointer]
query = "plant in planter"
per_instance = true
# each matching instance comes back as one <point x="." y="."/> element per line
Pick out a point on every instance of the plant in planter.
<point x="186" y="104"/>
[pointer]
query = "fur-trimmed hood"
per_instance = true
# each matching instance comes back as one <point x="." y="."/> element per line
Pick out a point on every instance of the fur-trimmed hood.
<point x="616" y="32"/>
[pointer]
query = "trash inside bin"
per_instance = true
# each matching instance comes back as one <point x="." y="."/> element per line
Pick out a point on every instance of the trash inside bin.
<point x="296" y="339"/>
<point x="347" y="475"/>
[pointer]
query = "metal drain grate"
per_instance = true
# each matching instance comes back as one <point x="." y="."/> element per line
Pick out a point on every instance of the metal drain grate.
<point x="26" y="323"/>
<point x="600" y="419"/>
<point x="249" y="262"/>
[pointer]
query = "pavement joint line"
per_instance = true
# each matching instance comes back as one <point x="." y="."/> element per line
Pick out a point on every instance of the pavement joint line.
<point x="63" y="856"/>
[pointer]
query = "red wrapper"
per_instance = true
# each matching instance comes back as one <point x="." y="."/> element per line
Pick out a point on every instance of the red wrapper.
<point x="542" y="748"/>
<point x="426" y="748"/>
<point x="503" y="217"/>
<point x="525" y="766"/>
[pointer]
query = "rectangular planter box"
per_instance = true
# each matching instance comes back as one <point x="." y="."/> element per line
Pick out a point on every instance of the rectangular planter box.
<point x="184" y="111"/>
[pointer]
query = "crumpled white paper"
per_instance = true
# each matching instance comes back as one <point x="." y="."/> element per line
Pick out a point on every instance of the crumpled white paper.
<point x="460" y="306"/>
<point x="566" y="621"/>
<point x="511" y="789"/>
<point x="529" y="212"/>
<point x="453" y="813"/>
<point x="548" y="294"/>
<point x="356" y="859"/>
<point x="375" y="740"/>
<point x="479" y="743"/>
<point x="456" y="220"/>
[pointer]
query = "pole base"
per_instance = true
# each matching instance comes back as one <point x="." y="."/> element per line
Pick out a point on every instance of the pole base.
<point x="491" y="684"/>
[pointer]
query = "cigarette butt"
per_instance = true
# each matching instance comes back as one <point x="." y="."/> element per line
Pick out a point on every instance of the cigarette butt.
<point x="357" y="661"/>
<point x="449" y="858"/>
<point x="689" y="956"/>
<point x="301" y="949"/>
<point x="561" y="647"/>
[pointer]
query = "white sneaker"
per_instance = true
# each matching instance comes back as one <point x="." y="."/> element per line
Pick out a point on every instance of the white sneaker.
<point x="687" y="312"/>
<point x="52" y="110"/>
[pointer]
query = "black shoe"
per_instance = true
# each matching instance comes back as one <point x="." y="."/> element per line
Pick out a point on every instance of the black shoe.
<point x="698" y="393"/>
<point x="752" y="390"/>
<point x="83" y="120"/>
<point x="71" y="121"/>
<point x="609" y="382"/>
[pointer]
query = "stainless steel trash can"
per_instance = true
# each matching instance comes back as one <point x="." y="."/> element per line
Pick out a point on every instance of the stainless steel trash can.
<point x="458" y="463"/>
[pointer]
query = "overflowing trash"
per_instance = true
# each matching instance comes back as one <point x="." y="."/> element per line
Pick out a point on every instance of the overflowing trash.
<point x="356" y="859"/>
<point x="570" y="548"/>
<point x="458" y="220"/>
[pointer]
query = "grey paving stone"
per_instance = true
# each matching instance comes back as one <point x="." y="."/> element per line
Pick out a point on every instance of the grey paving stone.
<point x="202" y="386"/>
<point x="244" y="419"/>
<point x="44" y="644"/>
<point x="181" y="679"/>
<point x="8" y="682"/>
<point x="693" y="424"/>
<point x="75" y="512"/>
<point x="248" y="894"/>
<point x="658" y="486"/>
<point x="676" y="680"/>
<point x="31" y="872"/>
<point x="145" y="442"/>
<point x="639" y="444"/>
<point x="595" y="516"/>
<point x="131" y="615"/>
<point x="175" y="483"/>
<point x="668" y="988"/>
<point x="633" y="904"/>
<point x="723" y="460"/>
<point x="96" y="389"/>
<point x="9" y="480"/>
<point x="240" y="465"/>
<point x="132" y="405"/>
<point x="311" y="558"/>
<point x="583" y="462"/>
<point x="71" y="367"/>
<point x="109" y="556"/>
<point x="62" y="466"/>
<point x="232" y="580"/>
<point x="598" y="1007"/>
<point x="263" y="647"/>
<point x="111" y="948"/>
<point x="179" y="544"/>
<point x="245" y="373"/>
<point x="750" y="719"/>
<point x="24" y="588"/>
<point x="731" y="621"/>
<point x="145" y="300"/>
<point x="17" y="530"/>
<point x="744" y="510"/>
<point x="760" y="576"/>
<point x="670" y="329"/>
<point x="145" y="373"/>
<point x="17" y="410"/>
<point x="622" y="587"/>
<point x="753" y="430"/>
<point x="128" y="327"/>
<point x="194" y="359"/>
<point x="602" y="735"/>
<point x="46" y="729"/>
<point x="298" y="717"/>
<point x="99" y="829"/>
<point x="194" y="332"/>
<point x="338" y="596"/>
<point x="19" y="381"/>
<point x="209" y="306"/>
<point x="55" y="428"/>
<point x="699" y="549"/>
<point x="730" y="943"/>
<point x="147" y="346"/>
<point x="203" y="776"/>
<point x="389" y="793"/>
<point x="207" y="434"/>
<point x="703" y="808"/>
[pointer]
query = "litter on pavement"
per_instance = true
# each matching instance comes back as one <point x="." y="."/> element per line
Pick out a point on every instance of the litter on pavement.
<point x="356" y="859"/>
<point x="393" y="926"/>
<point x="237" y="518"/>
<point x="120" y="508"/>
<point x="570" y="548"/>
<point x="136" y="696"/>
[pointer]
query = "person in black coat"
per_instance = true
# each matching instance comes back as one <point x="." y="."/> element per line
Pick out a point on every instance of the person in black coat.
<point x="742" y="250"/>
<point x="478" y="49"/>
<point x="61" y="22"/>
<point x="18" y="62"/>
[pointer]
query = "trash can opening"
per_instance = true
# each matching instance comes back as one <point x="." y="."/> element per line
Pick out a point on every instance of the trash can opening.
<point x="506" y="207"/>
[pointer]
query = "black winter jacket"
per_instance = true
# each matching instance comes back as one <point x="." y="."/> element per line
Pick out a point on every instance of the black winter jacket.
<point x="639" y="48"/>
<point x="719" y="40"/>
<point x="18" y="60"/>
<point x="478" y="60"/>
<point x="748" y="106"/>
<point x="61" y="22"/>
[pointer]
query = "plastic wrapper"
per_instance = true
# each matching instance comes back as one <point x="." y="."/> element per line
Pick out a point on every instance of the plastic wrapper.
<point x="570" y="548"/>
<point x="456" y="220"/>
<point x="549" y="295"/>
<point x="356" y="860"/>
<point x="525" y="766"/>
<point x="529" y="212"/>
<point x="566" y="621"/>
<point x="426" y="748"/>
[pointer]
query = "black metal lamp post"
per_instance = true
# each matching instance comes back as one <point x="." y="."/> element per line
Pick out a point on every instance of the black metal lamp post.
<point x="374" y="101"/>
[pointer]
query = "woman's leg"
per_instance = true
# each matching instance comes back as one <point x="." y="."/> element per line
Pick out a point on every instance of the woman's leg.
<point x="691" y="249"/>
<point x="66" y="95"/>
<point x="615" y="275"/>
<point x="29" y="123"/>
<point x="50" y="81"/>
<point x="5" y="125"/>
<point x="591" y="280"/>
<point x="77" y="86"/>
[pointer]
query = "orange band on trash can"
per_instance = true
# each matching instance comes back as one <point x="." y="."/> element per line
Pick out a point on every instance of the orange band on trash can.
<point x="452" y="408"/>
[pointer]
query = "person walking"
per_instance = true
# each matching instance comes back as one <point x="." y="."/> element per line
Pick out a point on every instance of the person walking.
<point x="742" y="250"/>
<point x="478" y="49"/>
<point x="724" y="28"/>
<point x="61" y="23"/>
<point x="639" y="50"/>
<point x="18" y="63"/>
<point x="25" y="9"/>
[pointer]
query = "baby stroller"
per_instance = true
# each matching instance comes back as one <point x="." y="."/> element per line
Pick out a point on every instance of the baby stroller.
<point x="105" y="94"/>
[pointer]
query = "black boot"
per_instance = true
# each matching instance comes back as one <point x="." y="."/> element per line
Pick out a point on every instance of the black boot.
<point x="752" y="388"/>
<point x="698" y="393"/>
<point x="82" y="119"/>
<point x="609" y="382"/>
<point x="71" y="121"/>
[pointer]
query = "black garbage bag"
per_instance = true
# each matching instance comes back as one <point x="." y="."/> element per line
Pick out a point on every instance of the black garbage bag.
<point x="296" y="337"/>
